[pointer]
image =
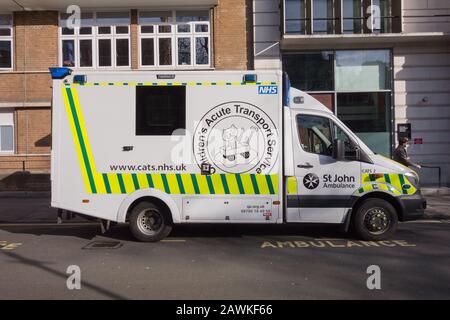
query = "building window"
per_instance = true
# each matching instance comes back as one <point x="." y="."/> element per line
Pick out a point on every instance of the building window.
<point x="101" y="41"/>
<point x="312" y="71"/>
<point x="304" y="17"/>
<point x="6" y="41"/>
<point x="160" y="111"/>
<point x="368" y="114"/>
<point x="384" y="25"/>
<point x="355" y="84"/>
<point x="353" y="16"/>
<point x="295" y="16"/>
<point x="323" y="16"/>
<point x="175" y="39"/>
<point x="363" y="70"/>
<point x="6" y="130"/>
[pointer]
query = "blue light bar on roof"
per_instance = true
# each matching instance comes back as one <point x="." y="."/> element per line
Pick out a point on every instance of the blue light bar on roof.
<point x="250" y="78"/>
<point x="60" y="73"/>
<point x="80" y="79"/>
<point x="286" y="89"/>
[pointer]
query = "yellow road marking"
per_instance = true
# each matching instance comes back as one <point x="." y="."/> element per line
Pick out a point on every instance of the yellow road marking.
<point x="334" y="244"/>
<point x="4" y="245"/>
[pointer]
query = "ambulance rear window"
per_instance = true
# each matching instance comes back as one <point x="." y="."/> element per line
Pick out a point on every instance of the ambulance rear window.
<point x="160" y="110"/>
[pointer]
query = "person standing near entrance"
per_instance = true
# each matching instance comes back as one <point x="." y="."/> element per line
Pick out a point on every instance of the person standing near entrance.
<point x="401" y="155"/>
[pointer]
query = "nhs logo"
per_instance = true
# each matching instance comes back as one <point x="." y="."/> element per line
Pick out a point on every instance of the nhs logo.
<point x="267" y="90"/>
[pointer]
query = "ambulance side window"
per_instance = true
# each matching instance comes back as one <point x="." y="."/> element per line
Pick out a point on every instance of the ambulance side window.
<point x="160" y="110"/>
<point x="315" y="134"/>
<point x="350" y="145"/>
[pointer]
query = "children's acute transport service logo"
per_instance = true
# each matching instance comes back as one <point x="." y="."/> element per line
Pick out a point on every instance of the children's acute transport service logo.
<point x="236" y="137"/>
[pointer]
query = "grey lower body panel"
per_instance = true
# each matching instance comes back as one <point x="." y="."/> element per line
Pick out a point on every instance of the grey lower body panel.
<point x="322" y="201"/>
<point x="413" y="206"/>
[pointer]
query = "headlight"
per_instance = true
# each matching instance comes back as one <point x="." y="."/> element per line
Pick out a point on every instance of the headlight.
<point x="413" y="179"/>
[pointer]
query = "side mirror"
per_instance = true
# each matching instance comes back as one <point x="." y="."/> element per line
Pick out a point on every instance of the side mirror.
<point x="338" y="149"/>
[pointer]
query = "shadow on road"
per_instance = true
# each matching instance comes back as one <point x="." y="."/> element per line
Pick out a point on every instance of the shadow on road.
<point x="17" y="258"/>
<point x="82" y="231"/>
<point x="89" y="231"/>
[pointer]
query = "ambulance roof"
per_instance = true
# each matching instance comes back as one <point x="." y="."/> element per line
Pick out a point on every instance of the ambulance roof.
<point x="301" y="100"/>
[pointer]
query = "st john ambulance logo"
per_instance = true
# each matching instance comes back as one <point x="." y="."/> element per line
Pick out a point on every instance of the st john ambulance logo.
<point x="311" y="181"/>
<point x="236" y="137"/>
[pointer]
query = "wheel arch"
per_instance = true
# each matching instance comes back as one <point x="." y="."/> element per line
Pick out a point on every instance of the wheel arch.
<point x="394" y="201"/>
<point x="153" y="195"/>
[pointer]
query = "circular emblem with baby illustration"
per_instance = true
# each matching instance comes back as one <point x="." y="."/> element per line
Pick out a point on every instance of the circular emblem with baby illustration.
<point x="236" y="137"/>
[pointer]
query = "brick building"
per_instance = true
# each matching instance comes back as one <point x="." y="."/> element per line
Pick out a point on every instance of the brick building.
<point x="144" y="35"/>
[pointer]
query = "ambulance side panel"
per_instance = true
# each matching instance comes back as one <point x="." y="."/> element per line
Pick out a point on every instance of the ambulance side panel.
<point x="102" y="164"/>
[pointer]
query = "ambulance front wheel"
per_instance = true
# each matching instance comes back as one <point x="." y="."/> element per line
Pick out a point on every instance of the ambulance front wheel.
<point x="149" y="222"/>
<point x="375" y="220"/>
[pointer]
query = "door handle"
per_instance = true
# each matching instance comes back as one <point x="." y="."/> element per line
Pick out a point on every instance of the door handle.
<point x="305" y="166"/>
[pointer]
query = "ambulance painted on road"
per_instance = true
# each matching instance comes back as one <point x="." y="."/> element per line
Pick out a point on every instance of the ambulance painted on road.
<point x="155" y="149"/>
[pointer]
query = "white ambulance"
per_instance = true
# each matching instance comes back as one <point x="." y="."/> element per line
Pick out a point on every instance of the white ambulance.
<point x="156" y="149"/>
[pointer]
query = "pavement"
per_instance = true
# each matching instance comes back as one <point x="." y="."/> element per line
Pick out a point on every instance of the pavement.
<point x="37" y="259"/>
<point x="438" y="207"/>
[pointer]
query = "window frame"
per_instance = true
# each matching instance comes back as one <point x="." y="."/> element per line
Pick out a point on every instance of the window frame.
<point x="95" y="36"/>
<point x="174" y="35"/>
<point x="9" y="38"/>
<point x="8" y="124"/>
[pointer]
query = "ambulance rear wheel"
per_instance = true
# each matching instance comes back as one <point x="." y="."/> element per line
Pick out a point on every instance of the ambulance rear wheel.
<point x="375" y="220"/>
<point x="149" y="222"/>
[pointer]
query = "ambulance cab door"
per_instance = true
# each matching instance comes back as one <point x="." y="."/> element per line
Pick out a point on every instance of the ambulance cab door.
<point x="324" y="185"/>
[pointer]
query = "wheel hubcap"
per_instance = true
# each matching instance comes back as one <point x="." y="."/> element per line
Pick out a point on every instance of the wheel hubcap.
<point x="377" y="221"/>
<point x="149" y="221"/>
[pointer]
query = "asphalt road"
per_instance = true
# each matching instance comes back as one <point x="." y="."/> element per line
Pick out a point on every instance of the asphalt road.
<point x="223" y="262"/>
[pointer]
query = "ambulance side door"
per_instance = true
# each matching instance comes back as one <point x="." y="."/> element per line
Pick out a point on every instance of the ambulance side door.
<point x="324" y="185"/>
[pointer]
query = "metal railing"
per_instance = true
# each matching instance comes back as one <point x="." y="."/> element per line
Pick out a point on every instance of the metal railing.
<point x="439" y="173"/>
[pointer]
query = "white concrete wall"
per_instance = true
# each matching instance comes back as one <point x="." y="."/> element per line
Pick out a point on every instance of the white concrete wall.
<point x="426" y="16"/>
<point x="422" y="98"/>
<point x="266" y="28"/>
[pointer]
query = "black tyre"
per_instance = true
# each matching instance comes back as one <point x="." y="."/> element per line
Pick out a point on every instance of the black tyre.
<point x="149" y="222"/>
<point x="375" y="220"/>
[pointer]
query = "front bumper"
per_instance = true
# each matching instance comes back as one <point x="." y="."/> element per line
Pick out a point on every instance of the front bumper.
<point x="413" y="207"/>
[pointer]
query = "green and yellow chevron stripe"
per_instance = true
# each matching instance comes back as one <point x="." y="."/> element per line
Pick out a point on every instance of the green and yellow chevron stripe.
<point x="172" y="183"/>
<point x="397" y="184"/>
<point x="187" y="84"/>
<point x="175" y="183"/>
